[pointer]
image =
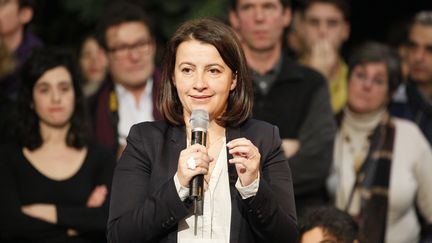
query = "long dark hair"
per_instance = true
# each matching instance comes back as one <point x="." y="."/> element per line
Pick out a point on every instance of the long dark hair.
<point x="223" y="38"/>
<point x="40" y="62"/>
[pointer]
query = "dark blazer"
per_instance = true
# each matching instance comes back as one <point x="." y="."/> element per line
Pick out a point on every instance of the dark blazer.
<point x="415" y="107"/>
<point x="145" y="206"/>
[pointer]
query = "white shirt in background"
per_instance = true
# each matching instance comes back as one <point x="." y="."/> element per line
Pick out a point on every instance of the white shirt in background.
<point x="131" y="112"/>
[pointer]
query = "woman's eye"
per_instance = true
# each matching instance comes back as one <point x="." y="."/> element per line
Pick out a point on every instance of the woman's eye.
<point x="186" y="70"/>
<point x="214" y="71"/>
<point x="65" y="89"/>
<point x="42" y="89"/>
<point x="379" y="82"/>
<point x="360" y="75"/>
<point x="65" y="86"/>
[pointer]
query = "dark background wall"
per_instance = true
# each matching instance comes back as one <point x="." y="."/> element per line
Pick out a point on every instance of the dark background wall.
<point x="380" y="19"/>
<point x="65" y="22"/>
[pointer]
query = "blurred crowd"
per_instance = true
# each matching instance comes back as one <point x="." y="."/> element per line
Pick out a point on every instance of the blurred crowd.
<point x="356" y="128"/>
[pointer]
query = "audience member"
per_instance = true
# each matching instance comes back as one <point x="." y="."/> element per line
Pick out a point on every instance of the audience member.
<point x="6" y="66"/>
<point x="397" y="38"/>
<point x="295" y="45"/>
<point x="14" y="15"/>
<point x="54" y="184"/>
<point x="291" y="96"/>
<point x="18" y="43"/>
<point x="93" y="65"/>
<point x="247" y="193"/>
<point x="416" y="105"/>
<point x="328" y="225"/>
<point x="130" y="93"/>
<point x="381" y="164"/>
<point x="324" y="27"/>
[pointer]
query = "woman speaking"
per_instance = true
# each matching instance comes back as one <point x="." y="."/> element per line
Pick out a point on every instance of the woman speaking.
<point x="248" y="195"/>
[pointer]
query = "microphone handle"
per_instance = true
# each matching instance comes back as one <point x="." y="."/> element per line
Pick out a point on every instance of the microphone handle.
<point x="196" y="185"/>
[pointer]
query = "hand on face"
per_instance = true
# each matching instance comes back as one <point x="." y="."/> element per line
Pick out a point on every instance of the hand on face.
<point x="246" y="158"/>
<point x="323" y="57"/>
<point x="199" y="154"/>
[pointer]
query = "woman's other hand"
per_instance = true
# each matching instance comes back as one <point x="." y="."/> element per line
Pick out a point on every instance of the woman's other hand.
<point x="246" y="158"/>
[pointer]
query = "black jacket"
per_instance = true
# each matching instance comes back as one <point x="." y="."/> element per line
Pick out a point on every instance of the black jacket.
<point x="145" y="206"/>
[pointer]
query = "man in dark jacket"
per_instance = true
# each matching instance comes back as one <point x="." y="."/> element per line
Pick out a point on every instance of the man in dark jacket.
<point x="291" y="96"/>
<point x="415" y="99"/>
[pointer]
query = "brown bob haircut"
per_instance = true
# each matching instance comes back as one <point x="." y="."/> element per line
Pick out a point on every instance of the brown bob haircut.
<point x="223" y="38"/>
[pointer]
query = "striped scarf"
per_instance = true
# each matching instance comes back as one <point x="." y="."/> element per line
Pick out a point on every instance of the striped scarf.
<point x="372" y="180"/>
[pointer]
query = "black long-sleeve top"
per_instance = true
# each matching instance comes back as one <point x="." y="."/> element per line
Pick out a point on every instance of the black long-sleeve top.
<point x="22" y="184"/>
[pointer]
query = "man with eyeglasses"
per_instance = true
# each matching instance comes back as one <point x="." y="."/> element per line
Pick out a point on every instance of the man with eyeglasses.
<point x="129" y="95"/>
<point x="289" y="95"/>
<point x="414" y="101"/>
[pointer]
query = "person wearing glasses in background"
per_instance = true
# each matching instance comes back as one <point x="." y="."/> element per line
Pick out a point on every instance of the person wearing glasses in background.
<point x="382" y="164"/>
<point x="128" y="96"/>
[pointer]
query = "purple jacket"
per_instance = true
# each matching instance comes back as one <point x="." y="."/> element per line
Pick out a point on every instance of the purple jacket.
<point x="9" y="85"/>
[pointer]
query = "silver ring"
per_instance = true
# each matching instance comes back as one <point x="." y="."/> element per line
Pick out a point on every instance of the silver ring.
<point x="191" y="163"/>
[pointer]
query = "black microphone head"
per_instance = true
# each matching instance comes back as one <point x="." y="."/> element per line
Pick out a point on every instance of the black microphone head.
<point x="199" y="119"/>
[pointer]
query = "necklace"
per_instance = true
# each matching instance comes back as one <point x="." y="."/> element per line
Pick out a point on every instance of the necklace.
<point x="358" y="153"/>
<point x="214" y="151"/>
<point x="216" y="141"/>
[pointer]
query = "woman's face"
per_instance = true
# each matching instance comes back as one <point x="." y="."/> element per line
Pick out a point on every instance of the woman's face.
<point x="202" y="78"/>
<point x="54" y="97"/>
<point x="368" y="87"/>
<point x="93" y="61"/>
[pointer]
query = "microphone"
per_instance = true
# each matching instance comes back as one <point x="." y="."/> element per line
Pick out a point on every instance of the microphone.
<point x="199" y="121"/>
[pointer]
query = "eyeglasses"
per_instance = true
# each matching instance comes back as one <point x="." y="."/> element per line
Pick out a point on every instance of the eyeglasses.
<point x="363" y="78"/>
<point x="122" y="51"/>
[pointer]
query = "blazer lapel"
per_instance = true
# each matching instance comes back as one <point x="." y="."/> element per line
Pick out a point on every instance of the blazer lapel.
<point x="231" y="134"/>
<point x="236" y="209"/>
<point x="177" y="142"/>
